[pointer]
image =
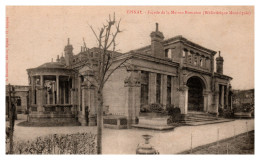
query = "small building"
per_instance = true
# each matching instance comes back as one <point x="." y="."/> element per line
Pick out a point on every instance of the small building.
<point x="21" y="96"/>
<point x="172" y="71"/>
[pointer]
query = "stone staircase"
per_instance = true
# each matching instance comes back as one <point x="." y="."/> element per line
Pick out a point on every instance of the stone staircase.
<point x="191" y="119"/>
<point x="201" y="118"/>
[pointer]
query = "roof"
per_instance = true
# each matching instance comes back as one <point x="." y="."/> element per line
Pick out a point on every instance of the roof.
<point x="55" y="65"/>
<point x="179" y="38"/>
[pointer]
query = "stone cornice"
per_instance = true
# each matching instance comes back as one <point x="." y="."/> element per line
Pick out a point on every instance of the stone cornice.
<point x="222" y="76"/>
<point x="140" y="55"/>
<point x="197" y="71"/>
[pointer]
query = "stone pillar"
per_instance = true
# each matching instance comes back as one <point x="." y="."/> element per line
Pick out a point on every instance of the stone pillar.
<point x="152" y="88"/>
<point x="48" y="97"/>
<point x="84" y="97"/>
<point x="79" y="94"/>
<point x="82" y="116"/>
<point x="231" y="102"/>
<point x="72" y="91"/>
<point x="183" y="99"/>
<point x="33" y="90"/>
<point x="133" y="90"/>
<point x="57" y="90"/>
<point x="64" y="93"/>
<point x="174" y="91"/>
<point x="53" y="93"/>
<point x="205" y="101"/>
<point x="72" y="95"/>
<point x="227" y="95"/>
<point x="42" y="94"/>
<point x="164" y="90"/>
<point x="222" y="96"/>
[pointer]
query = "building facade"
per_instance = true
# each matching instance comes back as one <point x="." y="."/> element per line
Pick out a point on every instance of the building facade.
<point x="173" y="71"/>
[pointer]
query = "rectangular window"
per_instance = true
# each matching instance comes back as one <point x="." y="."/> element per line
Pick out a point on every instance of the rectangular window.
<point x="158" y="88"/>
<point x="19" y="101"/>
<point x="168" y="53"/>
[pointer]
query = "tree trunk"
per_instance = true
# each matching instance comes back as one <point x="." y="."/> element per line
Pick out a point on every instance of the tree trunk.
<point x="11" y="120"/>
<point x="99" y="121"/>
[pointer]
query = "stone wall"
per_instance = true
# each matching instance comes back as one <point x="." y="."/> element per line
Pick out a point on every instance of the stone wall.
<point x="114" y="92"/>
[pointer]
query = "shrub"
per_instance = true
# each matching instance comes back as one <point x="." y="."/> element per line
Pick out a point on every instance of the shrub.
<point x="174" y="113"/>
<point x="145" y="108"/>
<point x="156" y="107"/>
<point x="226" y="113"/>
<point x="79" y="143"/>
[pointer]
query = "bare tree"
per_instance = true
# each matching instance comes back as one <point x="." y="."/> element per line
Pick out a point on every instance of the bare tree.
<point x="103" y="67"/>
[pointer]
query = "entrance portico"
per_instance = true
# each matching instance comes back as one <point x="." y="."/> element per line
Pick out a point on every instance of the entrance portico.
<point x="194" y="95"/>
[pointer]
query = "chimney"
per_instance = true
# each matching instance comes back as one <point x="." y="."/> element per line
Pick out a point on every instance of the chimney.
<point x="219" y="64"/>
<point x="157" y="48"/>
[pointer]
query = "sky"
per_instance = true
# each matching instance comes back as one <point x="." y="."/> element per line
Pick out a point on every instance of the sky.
<point x="38" y="34"/>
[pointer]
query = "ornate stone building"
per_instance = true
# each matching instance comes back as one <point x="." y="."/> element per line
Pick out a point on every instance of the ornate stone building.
<point x="172" y="71"/>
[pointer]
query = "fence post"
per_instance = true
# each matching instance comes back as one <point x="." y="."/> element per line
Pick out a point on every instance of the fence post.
<point x="227" y="148"/>
<point x="234" y="131"/>
<point x="246" y="129"/>
<point x="191" y="143"/>
<point x="218" y="141"/>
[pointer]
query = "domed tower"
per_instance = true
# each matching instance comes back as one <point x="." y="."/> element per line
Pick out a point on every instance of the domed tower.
<point x="219" y="61"/>
<point x="156" y="43"/>
<point x="68" y="53"/>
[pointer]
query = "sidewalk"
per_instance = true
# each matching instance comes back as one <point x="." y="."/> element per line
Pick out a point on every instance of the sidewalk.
<point x="166" y="142"/>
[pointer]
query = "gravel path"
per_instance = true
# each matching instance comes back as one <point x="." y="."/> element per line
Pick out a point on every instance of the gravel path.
<point x="166" y="142"/>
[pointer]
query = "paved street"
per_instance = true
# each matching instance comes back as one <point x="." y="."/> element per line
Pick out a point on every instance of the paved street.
<point x="166" y="142"/>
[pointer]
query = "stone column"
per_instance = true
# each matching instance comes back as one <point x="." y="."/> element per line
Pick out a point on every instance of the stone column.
<point x="205" y="101"/>
<point x="42" y="94"/>
<point x="57" y="90"/>
<point x="79" y="94"/>
<point x="48" y="97"/>
<point x="84" y="97"/>
<point x="72" y="95"/>
<point x="216" y="95"/>
<point x="82" y="117"/>
<point x="231" y="102"/>
<point x="33" y="90"/>
<point x="133" y="90"/>
<point x="72" y="91"/>
<point x="227" y="95"/>
<point x="53" y="93"/>
<point x="164" y="90"/>
<point x="183" y="99"/>
<point x="174" y="91"/>
<point x="222" y="96"/>
<point x="64" y="93"/>
<point x="152" y="88"/>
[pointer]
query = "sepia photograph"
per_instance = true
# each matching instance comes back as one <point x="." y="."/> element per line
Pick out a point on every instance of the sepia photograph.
<point x="130" y="80"/>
